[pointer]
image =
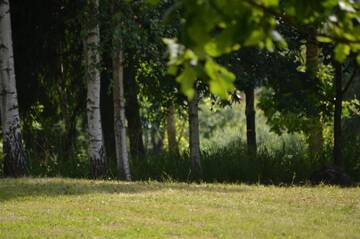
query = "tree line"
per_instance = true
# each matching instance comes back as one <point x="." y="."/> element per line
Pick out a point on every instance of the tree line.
<point x="108" y="68"/>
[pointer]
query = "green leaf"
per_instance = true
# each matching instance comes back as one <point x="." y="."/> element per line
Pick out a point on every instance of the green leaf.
<point x="221" y="80"/>
<point x="172" y="70"/>
<point x="329" y="3"/>
<point x="341" y="52"/>
<point x="255" y="37"/>
<point x="324" y="39"/>
<point x="271" y="3"/>
<point x="212" y="49"/>
<point x="269" y="44"/>
<point x="187" y="79"/>
<point x="358" y="59"/>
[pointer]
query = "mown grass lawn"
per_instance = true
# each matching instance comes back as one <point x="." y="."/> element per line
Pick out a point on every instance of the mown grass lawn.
<point x="65" y="208"/>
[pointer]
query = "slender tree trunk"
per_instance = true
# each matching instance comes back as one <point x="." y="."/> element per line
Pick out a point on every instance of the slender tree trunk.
<point x="14" y="155"/>
<point x="157" y="136"/>
<point x="107" y="106"/>
<point x="194" y="139"/>
<point x="122" y="158"/>
<point x="137" y="148"/>
<point x="96" y="144"/>
<point x="171" y="130"/>
<point x="69" y="138"/>
<point x="312" y="58"/>
<point x="338" y="161"/>
<point x="69" y="118"/>
<point x="250" y="121"/>
<point x="316" y="139"/>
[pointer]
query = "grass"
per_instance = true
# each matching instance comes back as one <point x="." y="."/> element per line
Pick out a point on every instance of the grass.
<point x="66" y="208"/>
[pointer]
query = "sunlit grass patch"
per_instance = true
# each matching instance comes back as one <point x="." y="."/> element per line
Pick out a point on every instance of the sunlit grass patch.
<point x="64" y="208"/>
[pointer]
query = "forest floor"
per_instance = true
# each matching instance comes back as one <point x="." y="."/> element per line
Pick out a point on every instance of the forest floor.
<point x="67" y="208"/>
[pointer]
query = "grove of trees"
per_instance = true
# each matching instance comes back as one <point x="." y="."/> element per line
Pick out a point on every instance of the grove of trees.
<point x="116" y="89"/>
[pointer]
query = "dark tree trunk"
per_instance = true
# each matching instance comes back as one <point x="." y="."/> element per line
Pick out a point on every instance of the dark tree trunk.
<point x="69" y="138"/>
<point x="135" y="132"/>
<point x="106" y="107"/>
<point x="316" y="137"/>
<point x="157" y="136"/>
<point x="194" y="139"/>
<point x="338" y="161"/>
<point x="312" y="57"/>
<point x="250" y="121"/>
<point x="69" y="115"/>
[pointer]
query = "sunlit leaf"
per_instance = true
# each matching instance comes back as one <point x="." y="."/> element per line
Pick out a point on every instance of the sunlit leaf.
<point x="341" y="52"/>
<point x="187" y="79"/>
<point x="324" y="39"/>
<point x="221" y="80"/>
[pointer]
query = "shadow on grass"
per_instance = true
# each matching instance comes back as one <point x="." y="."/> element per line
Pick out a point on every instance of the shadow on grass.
<point x="11" y="189"/>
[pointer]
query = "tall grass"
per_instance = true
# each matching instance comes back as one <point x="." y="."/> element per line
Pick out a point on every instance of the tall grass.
<point x="285" y="162"/>
<point x="230" y="164"/>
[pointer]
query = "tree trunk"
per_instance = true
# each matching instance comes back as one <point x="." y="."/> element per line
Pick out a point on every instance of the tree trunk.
<point x="69" y="117"/>
<point x="171" y="130"/>
<point x="137" y="148"/>
<point x="312" y="58"/>
<point x="96" y="144"/>
<point x="338" y="161"/>
<point x="107" y="106"/>
<point x="157" y="136"/>
<point x="316" y="139"/>
<point x="69" y="138"/>
<point x="250" y="121"/>
<point x="14" y="155"/>
<point x="194" y="139"/>
<point x="122" y="158"/>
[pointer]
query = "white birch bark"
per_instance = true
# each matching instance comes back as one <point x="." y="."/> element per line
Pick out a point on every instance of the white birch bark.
<point x="96" y="146"/>
<point x="14" y="156"/>
<point x="122" y="157"/>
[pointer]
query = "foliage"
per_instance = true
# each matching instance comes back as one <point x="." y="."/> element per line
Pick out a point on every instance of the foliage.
<point x="213" y="28"/>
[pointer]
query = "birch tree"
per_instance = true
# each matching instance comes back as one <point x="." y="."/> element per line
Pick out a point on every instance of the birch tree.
<point x="122" y="158"/>
<point x="14" y="156"/>
<point x="92" y="58"/>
